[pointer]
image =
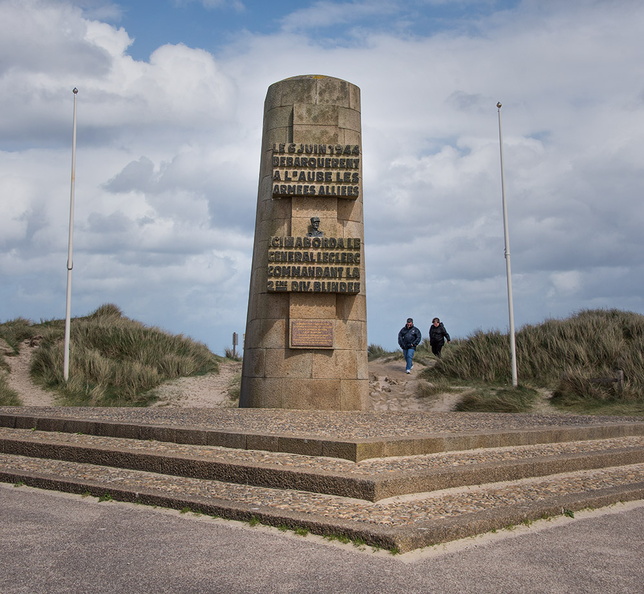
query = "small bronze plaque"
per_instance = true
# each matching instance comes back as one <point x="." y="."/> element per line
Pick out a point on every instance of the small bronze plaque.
<point x="311" y="334"/>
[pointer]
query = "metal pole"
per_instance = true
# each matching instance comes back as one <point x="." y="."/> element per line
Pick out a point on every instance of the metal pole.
<point x="70" y="248"/>
<point x="508" y="267"/>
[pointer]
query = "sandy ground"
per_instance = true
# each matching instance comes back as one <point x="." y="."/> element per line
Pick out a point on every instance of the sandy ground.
<point x="20" y="381"/>
<point x="211" y="390"/>
<point x="390" y="388"/>
<point x="201" y="391"/>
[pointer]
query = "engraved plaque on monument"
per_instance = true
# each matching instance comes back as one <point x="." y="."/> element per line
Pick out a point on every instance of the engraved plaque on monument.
<point x="306" y="335"/>
<point x="311" y="334"/>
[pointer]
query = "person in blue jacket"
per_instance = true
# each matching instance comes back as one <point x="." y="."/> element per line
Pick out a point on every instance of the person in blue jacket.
<point x="408" y="339"/>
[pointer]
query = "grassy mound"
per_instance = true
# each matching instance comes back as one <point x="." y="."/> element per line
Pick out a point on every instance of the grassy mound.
<point x="577" y="358"/>
<point x="8" y="396"/>
<point x="114" y="361"/>
<point x="498" y="399"/>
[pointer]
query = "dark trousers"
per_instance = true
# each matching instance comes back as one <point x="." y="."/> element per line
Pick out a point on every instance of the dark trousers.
<point x="436" y="348"/>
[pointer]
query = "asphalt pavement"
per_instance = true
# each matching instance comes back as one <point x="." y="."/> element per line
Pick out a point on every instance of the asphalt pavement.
<point x="54" y="542"/>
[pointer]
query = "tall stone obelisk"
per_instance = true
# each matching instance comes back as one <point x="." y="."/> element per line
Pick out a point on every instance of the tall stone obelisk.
<point x="306" y="332"/>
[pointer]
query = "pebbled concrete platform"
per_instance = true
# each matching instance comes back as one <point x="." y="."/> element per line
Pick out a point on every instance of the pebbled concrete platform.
<point x="480" y="480"/>
<point x="371" y="480"/>
<point x="353" y="436"/>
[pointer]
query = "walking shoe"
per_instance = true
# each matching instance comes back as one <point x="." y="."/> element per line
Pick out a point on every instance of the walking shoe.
<point x="408" y="371"/>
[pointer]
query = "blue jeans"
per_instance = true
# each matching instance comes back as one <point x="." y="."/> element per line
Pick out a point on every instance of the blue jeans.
<point x="409" y="357"/>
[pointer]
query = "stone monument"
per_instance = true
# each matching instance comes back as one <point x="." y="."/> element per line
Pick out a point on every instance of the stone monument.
<point x="306" y="330"/>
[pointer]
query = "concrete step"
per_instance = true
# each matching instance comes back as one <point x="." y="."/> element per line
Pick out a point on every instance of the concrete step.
<point x="396" y="480"/>
<point x="398" y="523"/>
<point x="371" y="480"/>
<point x="350" y="436"/>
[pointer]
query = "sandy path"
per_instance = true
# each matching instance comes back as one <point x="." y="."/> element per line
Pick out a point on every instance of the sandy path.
<point x="202" y="391"/>
<point x="390" y="388"/>
<point x="20" y="380"/>
<point x="209" y="390"/>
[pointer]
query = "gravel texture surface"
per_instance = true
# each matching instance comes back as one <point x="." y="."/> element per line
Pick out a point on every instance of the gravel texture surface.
<point x="398" y="511"/>
<point x="396" y="413"/>
<point x="371" y="467"/>
<point x="321" y="424"/>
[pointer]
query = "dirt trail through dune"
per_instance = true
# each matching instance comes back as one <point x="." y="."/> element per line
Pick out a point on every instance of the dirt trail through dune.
<point x="390" y="388"/>
<point x="20" y="380"/>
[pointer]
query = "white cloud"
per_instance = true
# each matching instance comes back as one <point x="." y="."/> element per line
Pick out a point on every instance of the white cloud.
<point x="326" y="13"/>
<point x="209" y="4"/>
<point x="168" y="158"/>
<point x="565" y="283"/>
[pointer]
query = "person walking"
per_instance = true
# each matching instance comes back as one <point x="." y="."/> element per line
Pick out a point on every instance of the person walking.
<point x="408" y="339"/>
<point x="437" y="336"/>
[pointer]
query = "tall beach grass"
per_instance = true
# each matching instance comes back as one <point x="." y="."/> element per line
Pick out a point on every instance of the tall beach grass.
<point x="8" y="396"/>
<point x="114" y="361"/>
<point x="576" y="358"/>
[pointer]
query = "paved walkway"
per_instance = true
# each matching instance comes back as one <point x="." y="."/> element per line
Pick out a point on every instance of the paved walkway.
<point x="54" y="543"/>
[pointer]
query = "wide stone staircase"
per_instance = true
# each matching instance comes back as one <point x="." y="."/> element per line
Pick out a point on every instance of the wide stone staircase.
<point x="400" y="481"/>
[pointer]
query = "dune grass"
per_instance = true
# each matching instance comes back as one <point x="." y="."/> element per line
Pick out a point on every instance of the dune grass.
<point x="114" y="361"/>
<point x="8" y="396"/>
<point x="576" y="358"/>
<point x="375" y="351"/>
<point x="498" y="399"/>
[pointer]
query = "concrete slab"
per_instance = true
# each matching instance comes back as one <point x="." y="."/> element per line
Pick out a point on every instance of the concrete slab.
<point x="351" y="435"/>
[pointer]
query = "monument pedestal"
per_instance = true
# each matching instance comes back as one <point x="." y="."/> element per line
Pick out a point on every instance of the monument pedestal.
<point x="306" y="332"/>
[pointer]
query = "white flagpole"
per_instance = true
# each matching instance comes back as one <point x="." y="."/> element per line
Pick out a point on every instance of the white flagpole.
<point x="70" y="248"/>
<point x="508" y="267"/>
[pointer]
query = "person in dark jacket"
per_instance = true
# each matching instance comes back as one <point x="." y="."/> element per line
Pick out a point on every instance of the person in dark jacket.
<point x="408" y="339"/>
<point x="437" y="336"/>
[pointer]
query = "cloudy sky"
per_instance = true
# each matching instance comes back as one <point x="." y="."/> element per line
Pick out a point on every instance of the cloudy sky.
<point x="170" y="108"/>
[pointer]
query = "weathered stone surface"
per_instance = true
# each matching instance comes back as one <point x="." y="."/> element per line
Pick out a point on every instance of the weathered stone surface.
<point x="311" y="166"/>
